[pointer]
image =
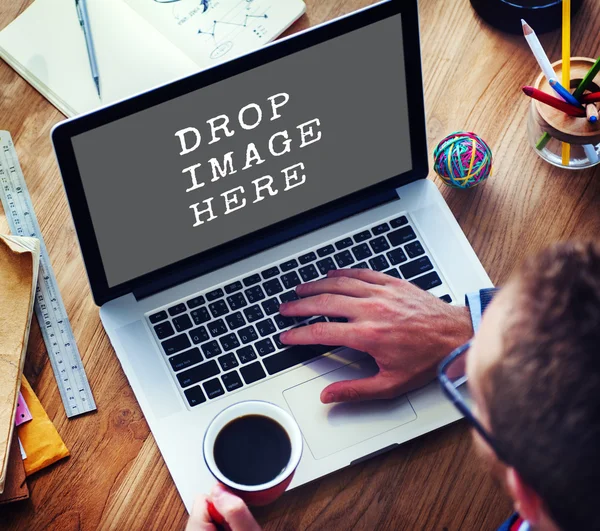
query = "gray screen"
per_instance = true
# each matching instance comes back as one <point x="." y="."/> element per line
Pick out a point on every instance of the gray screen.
<point x="245" y="153"/>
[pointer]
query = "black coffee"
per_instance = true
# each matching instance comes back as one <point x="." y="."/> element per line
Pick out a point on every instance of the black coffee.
<point x="252" y="450"/>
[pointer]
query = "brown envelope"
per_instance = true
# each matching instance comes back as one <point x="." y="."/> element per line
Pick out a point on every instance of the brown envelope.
<point x="19" y="260"/>
<point x="15" y="488"/>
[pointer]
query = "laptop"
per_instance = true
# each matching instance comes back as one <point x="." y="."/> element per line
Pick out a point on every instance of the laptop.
<point x="201" y="204"/>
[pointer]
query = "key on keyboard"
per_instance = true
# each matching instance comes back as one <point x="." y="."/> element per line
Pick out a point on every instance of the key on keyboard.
<point x="232" y="288"/>
<point x="343" y="244"/>
<point x="200" y="316"/>
<point x="160" y="316"/>
<point x="253" y="372"/>
<point x="195" y="395"/>
<point x="270" y="306"/>
<point x="428" y="281"/>
<point x="175" y="344"/>
<point x="400" y="236"/>
<point x="185" y="359"/>
<point x="308" y="273"/>
<point x="246" y="354"/>
<point x="198" y="373"/>
<point x="253" y="313"/>
<point x="306" y="258"/>
<point x="211" y="349"/>
<point x="290" y="280"/>
<point x="324" y="251"/>
<point x="164" y="330"/>
<point x="232" y="381"/>
<point x="327" y="264"/>
<point x="215" y="294"/>
<point x="271" y="272"/>
<point x="416" y="267"/>
<point x="199" y="335"/>
<point x="213" y="388"/>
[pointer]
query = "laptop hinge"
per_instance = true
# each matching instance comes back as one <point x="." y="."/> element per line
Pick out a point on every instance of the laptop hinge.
<point x="202" y="266"/>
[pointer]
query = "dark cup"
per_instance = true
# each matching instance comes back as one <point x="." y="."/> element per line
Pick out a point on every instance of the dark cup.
<point x="253" y="448"/>
<point x="506" y="15"/>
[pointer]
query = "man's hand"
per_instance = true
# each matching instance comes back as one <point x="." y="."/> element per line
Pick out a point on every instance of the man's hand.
<point x="407" y="330"/>
<point x="234" y="511"/>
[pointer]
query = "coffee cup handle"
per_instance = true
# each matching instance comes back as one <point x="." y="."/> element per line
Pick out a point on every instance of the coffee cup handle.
<point x="217" y="517"/>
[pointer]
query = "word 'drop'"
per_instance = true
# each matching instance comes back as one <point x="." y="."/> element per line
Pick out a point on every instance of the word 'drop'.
<point x="249" y="117"/>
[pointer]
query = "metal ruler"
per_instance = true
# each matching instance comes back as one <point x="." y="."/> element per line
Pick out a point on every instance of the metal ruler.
<point x="49" y="308"/>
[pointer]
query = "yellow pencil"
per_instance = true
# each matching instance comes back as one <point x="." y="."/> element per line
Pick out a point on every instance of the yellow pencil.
<point x="566" y="65"/>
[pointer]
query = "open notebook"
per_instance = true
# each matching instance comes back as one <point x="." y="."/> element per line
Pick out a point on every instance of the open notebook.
<point x="139" y="44"/>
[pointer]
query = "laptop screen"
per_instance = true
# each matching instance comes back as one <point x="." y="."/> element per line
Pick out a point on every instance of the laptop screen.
<point x="247" y="152"/>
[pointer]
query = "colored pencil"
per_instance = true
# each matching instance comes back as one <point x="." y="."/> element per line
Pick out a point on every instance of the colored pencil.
<point x="538" y="51"/>
<point x="564" y="93"/>
<point x="591" y="154"/>
<point x="561" y="105"/>
<point x="592" y="97"/>
<point x="566" y="64"/>
<point x="591" y="112"/>
<point x="589" y="77"/>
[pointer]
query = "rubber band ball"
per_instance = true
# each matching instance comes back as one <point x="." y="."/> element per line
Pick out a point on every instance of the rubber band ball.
<point x="463" y="160"/>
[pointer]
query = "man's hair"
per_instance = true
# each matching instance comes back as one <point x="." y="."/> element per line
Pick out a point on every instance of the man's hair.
<point x="543" y="395"/>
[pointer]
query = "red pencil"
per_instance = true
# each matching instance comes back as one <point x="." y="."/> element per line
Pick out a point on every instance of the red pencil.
<point x="590" y="98"/>
<point x="544" y="97"/>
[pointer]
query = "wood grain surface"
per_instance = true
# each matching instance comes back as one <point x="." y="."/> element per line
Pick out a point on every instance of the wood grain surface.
<point x="116" y="478"/>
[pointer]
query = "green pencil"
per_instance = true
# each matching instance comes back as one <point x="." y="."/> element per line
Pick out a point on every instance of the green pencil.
<point x="589" y="77"/>
<point x="541" y="144"/>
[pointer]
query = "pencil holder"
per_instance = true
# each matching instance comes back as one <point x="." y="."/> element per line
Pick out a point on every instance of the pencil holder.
<point x="548" y="128"/>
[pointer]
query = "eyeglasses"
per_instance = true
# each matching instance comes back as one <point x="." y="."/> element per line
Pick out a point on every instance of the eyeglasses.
<point x="453" y="379"/>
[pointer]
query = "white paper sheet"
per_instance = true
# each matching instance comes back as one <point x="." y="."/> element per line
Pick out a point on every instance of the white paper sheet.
<point x="46" y="45"/>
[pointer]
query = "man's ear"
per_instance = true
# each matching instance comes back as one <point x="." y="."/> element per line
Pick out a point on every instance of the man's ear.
<point x="527" y="502"/>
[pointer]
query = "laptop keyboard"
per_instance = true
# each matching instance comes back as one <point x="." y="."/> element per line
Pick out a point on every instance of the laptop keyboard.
<point x="226" y="338"/>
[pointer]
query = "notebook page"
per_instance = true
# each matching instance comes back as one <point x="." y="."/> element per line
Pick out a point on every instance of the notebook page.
<point x="213" y="31"/>
<point x="46" y="45"/>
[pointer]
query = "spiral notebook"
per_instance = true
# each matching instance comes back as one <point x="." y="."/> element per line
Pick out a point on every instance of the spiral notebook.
<point x="139" y="44"/>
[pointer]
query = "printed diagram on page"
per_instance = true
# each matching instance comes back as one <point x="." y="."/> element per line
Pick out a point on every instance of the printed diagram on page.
<point x="210" y="31"/>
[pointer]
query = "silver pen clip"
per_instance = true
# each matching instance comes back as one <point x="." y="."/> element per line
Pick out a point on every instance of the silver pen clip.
<point x="79" y="13"/>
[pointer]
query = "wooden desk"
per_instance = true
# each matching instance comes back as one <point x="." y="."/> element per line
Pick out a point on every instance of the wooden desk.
<point x="116" y="479"/>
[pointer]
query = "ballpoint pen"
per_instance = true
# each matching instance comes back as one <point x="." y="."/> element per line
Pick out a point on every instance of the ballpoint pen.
<point x="84" y="21"/>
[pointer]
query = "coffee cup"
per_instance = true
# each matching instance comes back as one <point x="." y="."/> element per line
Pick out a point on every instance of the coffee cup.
<point x="253" y="448"/>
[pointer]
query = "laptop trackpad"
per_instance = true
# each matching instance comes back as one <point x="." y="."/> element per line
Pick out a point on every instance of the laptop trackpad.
<point x="329" y="428"/>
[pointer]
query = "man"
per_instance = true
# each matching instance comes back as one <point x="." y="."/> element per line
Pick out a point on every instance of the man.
<point x="533" y="374"/>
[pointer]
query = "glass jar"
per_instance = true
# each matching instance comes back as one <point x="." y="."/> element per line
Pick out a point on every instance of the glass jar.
<point x="548" y="128"/>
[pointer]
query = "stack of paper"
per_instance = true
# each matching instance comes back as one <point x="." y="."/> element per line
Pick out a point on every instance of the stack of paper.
<point x="19" y="261"/>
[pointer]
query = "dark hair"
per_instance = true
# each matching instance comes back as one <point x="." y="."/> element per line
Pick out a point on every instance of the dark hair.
<point x="543" y="395"/>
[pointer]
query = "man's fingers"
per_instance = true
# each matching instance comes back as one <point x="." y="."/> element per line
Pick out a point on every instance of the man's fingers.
<point x="375" y="387"/>
<point x="340" y="285"/>
<point x="199" y="518"/>
<point x="324" y="304"/>
<point x="366" y="275"/>
<point x="332" y="334"/>
<point x="370" y="388"/>
<point x="233" y="509"/>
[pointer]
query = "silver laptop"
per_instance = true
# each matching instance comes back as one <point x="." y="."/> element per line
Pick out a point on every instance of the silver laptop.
<point x="201" y="205"/>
